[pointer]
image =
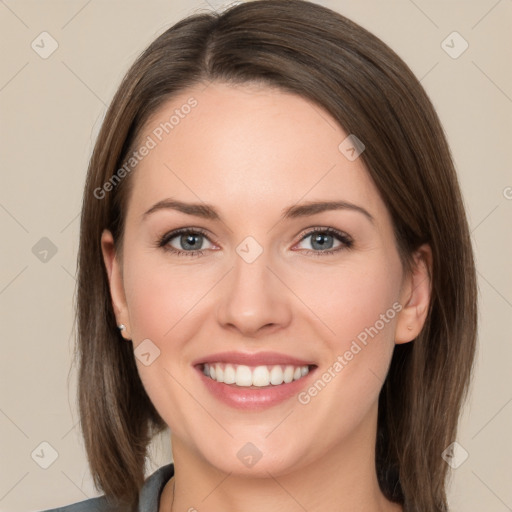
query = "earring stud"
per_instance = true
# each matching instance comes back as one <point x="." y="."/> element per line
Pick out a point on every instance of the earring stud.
<point x="121" y="327"/>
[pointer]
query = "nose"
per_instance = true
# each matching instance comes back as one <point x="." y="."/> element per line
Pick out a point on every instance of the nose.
<point x="253" y="299"/>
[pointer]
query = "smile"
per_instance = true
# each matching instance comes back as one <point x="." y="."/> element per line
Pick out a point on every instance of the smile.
<point x="256" y="376"/>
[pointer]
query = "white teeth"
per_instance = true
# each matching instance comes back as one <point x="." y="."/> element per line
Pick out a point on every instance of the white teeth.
<point x="288" y="374"/>
<point x="229" y="374"/>
<point x="276" y="375"/>
<point x="243" y="376"/>
<point x="219" y="374"/>
<point x="259" y="376"/>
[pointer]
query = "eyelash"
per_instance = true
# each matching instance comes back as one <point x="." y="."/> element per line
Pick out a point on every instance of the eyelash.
<point x="342" y="237"/>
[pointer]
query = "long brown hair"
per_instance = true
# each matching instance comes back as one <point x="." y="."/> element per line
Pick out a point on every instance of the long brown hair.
<point x="309" y="50"/>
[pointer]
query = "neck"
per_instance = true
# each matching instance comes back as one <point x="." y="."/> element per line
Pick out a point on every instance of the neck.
<point x="343" y="479"/>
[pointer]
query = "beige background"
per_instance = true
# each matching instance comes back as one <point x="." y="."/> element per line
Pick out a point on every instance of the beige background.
<point x="51" y="110"/>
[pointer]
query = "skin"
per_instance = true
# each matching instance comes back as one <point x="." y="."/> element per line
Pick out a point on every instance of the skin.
<point x="250" y="151"/>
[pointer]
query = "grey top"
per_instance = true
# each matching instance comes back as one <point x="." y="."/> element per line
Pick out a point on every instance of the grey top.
<point x="149" y="499"/>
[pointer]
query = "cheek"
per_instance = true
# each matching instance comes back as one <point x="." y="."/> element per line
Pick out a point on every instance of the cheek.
<point x="164" y="302"/>
<point x="160" y="302"/>
<point x="355" y="308"/>
<point x="349" y="300"/>
<point x="359" y="305"/>
<point x="161" y="298"/>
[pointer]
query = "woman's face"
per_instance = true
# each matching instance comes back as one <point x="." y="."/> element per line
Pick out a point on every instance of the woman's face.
<point x="266" y="290"/>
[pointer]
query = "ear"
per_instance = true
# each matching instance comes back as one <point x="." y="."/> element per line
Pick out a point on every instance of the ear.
<point x="415" y="296"/>
<point x="115" y="278"/>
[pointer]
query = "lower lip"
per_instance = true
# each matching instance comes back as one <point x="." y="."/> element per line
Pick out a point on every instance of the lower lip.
<point x="250" y="398"/>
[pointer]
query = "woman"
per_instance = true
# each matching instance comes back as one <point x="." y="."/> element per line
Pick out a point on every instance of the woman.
<point x="275" y="263"/>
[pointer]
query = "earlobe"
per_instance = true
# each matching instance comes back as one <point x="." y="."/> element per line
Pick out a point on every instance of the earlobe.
<point x="115" y="278"/>
<point x="415" y="297"/>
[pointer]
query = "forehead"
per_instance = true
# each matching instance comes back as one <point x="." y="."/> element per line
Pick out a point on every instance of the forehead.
<point x="247" y="148"/>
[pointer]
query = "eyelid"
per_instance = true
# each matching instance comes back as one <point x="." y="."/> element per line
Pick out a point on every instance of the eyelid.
<point x="323" y="229"/>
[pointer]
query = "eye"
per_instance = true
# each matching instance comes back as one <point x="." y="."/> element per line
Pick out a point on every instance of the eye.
<point x="326" y="241"/>
<point x="185" y="242"/>
<point x="191" y="241"/>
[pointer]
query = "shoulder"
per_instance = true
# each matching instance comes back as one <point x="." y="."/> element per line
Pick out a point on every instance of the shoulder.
<point x="148" y="500"/>
<point x="99" y="504"/>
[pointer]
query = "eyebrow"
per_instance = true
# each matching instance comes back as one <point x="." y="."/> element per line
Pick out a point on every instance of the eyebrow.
<point x="209" y="212"/>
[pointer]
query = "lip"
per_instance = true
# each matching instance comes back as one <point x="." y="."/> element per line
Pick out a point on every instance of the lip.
<point x="254" y="359"/>
<point x="254" y="398"/>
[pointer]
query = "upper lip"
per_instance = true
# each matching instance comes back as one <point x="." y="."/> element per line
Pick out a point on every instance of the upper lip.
<point x="254" y="359"/>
